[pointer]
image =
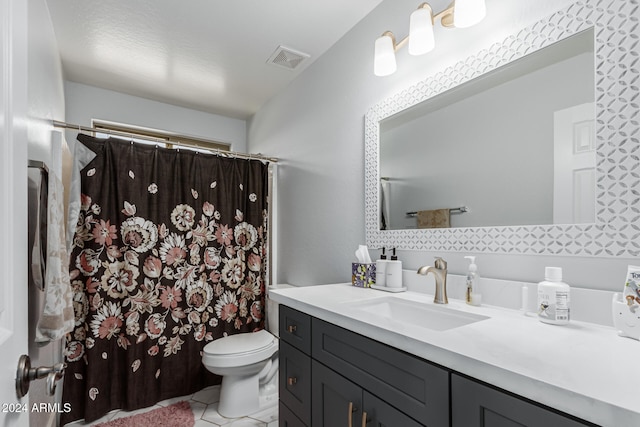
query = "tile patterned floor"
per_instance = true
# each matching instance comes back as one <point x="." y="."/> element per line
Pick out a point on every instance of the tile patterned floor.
<point x="204" y="405"/>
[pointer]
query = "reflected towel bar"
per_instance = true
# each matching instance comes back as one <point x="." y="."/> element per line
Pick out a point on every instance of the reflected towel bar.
<point x="461" y="209"/>
<point x="38" y="165"/>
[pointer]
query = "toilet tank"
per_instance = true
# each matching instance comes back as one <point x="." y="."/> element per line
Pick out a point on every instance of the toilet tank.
<point x="272" y="311"/>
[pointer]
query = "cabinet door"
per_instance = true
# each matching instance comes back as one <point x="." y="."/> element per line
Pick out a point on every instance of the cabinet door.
<point x="286" y="418"/>
<point x="294" y="381"/>
<point x="378" y="413"/>
<point x="336" y="401"/>
<point x="477" y="405"/>
<point x="414" y="386"/>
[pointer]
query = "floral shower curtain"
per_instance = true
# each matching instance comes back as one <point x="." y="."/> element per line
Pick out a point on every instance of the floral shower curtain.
<point x="169" y="253"/>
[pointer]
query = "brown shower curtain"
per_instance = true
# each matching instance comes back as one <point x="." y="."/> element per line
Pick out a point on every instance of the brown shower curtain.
<point x="169" y="254"/>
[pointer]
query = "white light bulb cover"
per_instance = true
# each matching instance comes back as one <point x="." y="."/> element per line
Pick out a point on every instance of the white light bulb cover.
<point x="384" y="62"/>
<point x="467" y="13"/>
<point x="421" y="37"/>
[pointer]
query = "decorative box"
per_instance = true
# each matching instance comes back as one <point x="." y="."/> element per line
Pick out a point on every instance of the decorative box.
<point x="363" y="274"/>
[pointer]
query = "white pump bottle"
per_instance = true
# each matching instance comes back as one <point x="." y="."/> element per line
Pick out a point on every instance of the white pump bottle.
<point x="472" y="294"/>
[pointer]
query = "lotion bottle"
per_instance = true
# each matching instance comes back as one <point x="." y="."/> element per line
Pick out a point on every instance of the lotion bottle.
<point x="394" y="271"/>
<point x="472" y="295"/>
<point x="553" y="298"/>
<point x="381" y="269"/>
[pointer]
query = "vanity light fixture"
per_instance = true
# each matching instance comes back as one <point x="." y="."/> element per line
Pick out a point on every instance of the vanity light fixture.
<point x="459" y="14"/>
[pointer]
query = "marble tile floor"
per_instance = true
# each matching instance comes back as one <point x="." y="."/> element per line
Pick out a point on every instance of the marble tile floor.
<point x="204" y="405"/>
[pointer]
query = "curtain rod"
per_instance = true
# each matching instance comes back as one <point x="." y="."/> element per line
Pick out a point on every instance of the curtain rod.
<point x="64" y="125"/>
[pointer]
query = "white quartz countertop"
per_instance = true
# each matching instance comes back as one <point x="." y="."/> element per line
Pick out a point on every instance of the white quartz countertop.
<point x="582" y="369"/>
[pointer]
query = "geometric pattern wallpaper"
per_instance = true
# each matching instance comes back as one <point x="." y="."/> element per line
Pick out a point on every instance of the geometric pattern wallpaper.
<point x="616" y="232"/>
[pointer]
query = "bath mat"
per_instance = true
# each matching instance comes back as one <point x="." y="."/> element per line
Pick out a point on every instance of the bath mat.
<point x="176" y="415"/>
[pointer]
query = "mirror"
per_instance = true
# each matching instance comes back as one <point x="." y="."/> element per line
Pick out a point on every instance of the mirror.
<point x="510" y="147"/>
<point x="614" y="232"/>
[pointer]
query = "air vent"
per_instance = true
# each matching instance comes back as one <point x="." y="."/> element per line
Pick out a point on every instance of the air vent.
<point x="287" y="58"/>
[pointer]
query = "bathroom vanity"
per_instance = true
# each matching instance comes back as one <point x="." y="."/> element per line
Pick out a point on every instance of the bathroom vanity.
<point x="346" y="360"/>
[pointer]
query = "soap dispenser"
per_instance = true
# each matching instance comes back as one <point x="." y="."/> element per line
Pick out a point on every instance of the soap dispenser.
<point x="394" y="271"/>
<point x="381" y="269"/>
<point x="472" y="294"/>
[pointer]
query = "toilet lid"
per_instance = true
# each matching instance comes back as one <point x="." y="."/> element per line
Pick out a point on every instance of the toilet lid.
<point x="240" y="343"/>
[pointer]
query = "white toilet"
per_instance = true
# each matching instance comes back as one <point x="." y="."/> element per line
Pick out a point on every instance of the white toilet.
<point x="248" y="364"/>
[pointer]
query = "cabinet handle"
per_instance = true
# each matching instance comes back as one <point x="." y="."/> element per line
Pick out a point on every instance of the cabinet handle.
<point x="291" y="328"/>
<point x="352" y="409"/>
<point x="364" y="419"/>
<point x="292" y="380"/>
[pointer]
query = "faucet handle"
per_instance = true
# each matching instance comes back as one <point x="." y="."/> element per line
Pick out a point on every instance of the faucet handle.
<point x="440" y="264"/>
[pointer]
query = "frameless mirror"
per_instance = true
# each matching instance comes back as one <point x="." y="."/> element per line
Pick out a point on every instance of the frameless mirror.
<point x="515" y="146"/>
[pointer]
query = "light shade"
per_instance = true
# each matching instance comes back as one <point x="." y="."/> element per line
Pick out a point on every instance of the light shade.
<point x="421" y="38"/>
<point x="384" y="62"/>
<point x="468" y="12"/>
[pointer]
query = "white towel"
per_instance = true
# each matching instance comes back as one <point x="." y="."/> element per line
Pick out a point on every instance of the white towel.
<point x="385" y="200"/>
<point x="57" y="318"/>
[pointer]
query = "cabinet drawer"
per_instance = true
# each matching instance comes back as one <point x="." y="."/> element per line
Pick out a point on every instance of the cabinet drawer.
<point x="295" y="328"/>
<point x="477" y="405"/>
<point x="295" y="381"/>
<point x="412" y="385"/>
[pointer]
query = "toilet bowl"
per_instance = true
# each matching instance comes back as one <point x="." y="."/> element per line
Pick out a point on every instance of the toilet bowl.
<point x="248" y="364"/>
<point x="242" y="360"/>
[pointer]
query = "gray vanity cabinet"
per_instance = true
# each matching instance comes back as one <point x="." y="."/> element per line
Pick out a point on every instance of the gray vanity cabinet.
<point x="332" y="377"/>
<point x="477" y="405"/>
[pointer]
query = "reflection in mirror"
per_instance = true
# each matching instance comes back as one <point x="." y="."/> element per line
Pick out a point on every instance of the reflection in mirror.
<point x="515" y="146"/>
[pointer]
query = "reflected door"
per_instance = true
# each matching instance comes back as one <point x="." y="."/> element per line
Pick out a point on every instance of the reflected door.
<point x="574" y="189"/>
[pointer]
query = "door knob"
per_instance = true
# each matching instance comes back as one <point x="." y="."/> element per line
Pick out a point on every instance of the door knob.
<point x="25" y="374"/>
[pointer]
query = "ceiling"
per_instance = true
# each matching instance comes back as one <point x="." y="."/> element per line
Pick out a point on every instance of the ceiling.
<point x="202" y="54"/>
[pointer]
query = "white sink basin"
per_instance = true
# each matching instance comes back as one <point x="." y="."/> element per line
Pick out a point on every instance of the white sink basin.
<point x="428" y="316"/>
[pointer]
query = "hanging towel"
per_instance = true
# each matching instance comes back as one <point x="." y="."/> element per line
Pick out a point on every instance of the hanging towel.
<point x="385" y="217"/>
<point x="57" y="318"/>
<point x="437" y="218"/>
<point x="38" y="223"/>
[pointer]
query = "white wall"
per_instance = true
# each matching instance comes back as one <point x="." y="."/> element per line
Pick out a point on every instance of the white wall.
<point x="316" y="126"/>
<point x="45" y="103"/>
<point x="85" y="103"/>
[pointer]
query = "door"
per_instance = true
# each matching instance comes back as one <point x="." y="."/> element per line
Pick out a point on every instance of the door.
<point x="574" y="159"/>
<point x="13" y="207"/>
<point x="295" y="381"/>
<point x="378" y="413"/>
<point x="337" y="402"/>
